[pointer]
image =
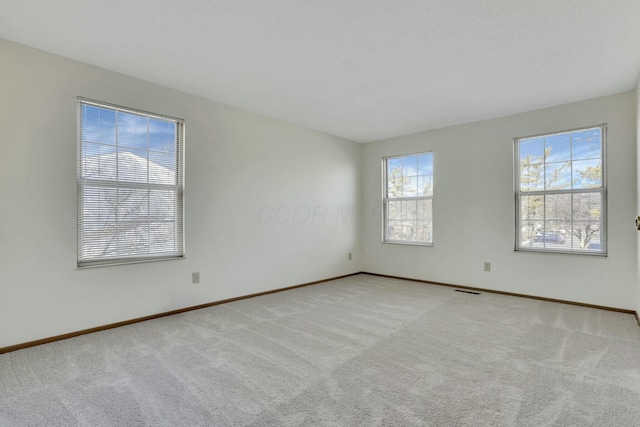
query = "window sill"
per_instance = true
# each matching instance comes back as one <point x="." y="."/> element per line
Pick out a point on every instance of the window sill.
<point x="396" y="242"/>
<point x="124" y="261"/>
<point x="560" y="252"/>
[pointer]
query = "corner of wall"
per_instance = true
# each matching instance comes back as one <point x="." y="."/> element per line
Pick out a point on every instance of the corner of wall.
<point x="637" y="115"/>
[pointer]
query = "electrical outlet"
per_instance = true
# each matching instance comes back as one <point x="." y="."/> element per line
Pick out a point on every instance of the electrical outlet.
<point x="349" y="256"/>
<point x="487" y="266"/>
<point x="195" y="277"/>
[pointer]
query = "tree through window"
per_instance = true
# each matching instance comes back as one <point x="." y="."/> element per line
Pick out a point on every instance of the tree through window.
<point x="561" y="192"/>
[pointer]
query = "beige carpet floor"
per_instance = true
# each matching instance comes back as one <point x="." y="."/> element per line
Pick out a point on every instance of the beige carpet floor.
<point x="359" y="351"/>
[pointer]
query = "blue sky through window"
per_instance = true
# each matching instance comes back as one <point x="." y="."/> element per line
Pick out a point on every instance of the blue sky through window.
<point x="421" y="164"/>
<point x="561" y="161"/>
<point x="561" y="147"/>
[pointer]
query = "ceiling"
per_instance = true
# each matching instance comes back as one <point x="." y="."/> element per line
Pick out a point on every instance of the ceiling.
<point x="364" y="70"/>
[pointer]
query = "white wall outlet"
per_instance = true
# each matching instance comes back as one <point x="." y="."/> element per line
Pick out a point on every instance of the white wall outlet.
<point x="195" y="277"/>
<point x="487" y="266"/>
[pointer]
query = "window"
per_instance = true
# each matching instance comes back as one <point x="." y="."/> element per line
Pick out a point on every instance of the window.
<point x="408" y="199"/>
<point x="561" y="192"/>
<point x="130" y="185"/>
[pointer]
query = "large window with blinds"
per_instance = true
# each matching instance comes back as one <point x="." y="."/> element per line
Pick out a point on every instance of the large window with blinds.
<point x="130" y="185"/>
<point x="408" y="199"/>
<point x="561" y="192"/>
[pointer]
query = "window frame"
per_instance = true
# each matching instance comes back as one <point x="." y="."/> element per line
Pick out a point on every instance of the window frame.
<point x="386" y="199"/>
<point x="177" y="188"/>
<point x="602" y="190"/>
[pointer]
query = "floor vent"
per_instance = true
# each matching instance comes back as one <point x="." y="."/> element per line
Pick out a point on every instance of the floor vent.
<point x="468" y="292"/>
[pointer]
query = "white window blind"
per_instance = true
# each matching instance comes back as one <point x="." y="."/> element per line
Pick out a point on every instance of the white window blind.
<point x="408" y="199"/>
<point x="130" y="185"/>
<point x="561" y="192"/>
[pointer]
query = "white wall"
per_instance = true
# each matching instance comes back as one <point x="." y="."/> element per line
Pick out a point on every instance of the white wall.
<point x="270" y="204"/>
<point x="474" y="209"/>
<point x="240" y="168"/>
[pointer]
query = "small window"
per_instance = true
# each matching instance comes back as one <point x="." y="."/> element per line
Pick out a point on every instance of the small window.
<point x="408" y="199"/>
<point x="561" y="192"/>
<point x="130" y="185"/>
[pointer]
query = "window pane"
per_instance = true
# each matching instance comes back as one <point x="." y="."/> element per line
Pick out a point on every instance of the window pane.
<point x="558" y="176"/>
<point x="99" y="205"/>
<point x="410" y="166"/>
<point x="424" y="220"/>
<point x="409" y="210"/>
<point x="531" y="151"/>
<point x="162" y="136"/>
<point x="558" y="211"/>
<point x="132" y="130"/>
<point x="532" y="208"/>
<point x="162" y="168"/>
<point x="395" y="187"/>
<point x="162" y="237"/>
<point x="394" y="230"/>
<point x="395" y="166"/>
<point x="409" y="216"/>
<point x="409" y="231"/>
<point x="163" y="205"/>
<point x="100" y="240"/>
<point x="528" y="231"/>
<point x="132" y="166"/>
<point x="395" y="182"/>
<point x="98" y="162"/>
<point x="133" y="204"/>
<point x="98" y="125"/>
<point x="587" y="174"/>
<point x="587" y="144"/>
<point x="395" y="210"/>
<point x="557" y="220"/>
<point x="532" y="177"/>
<point x="551" y="238"/>
<point x="558" y="148"/>
<point x="425" y="186"/>
<point x="410" y="186"/>
<point x="587" y="218"/>
<point x="99" y="225"/>
<point x="425" y="164"/>
<point x="133" y="238"/>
